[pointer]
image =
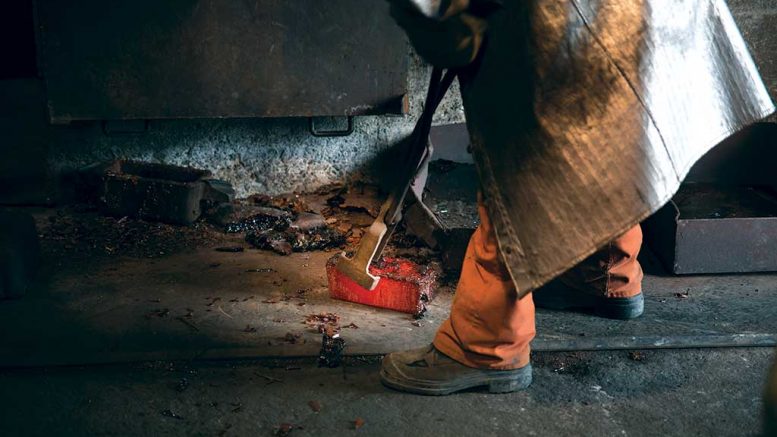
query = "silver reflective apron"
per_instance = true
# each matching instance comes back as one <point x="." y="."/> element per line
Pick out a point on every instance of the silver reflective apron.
<point x="585" y="116"/>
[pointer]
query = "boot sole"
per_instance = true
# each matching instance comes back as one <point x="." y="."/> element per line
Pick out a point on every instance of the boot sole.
<point x="622" y="308"/>
<point x="497" y="381"/>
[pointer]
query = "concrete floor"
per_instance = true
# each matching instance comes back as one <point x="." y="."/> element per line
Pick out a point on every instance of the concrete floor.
<point x="712" y="392"/>
<point x="171" y="296"/>
<point x="204" y="304"/>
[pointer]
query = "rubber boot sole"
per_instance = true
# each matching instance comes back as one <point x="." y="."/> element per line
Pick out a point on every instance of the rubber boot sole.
<point x="497" y="381"/>
<point x="622" y="308"/>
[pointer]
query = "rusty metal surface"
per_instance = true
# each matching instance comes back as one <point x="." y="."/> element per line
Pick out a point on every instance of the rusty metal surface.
<point x="220" y="58"/>
<point x="707" y="229"/>
<point x="726" y="245"/>
<point x="154" y="191"/>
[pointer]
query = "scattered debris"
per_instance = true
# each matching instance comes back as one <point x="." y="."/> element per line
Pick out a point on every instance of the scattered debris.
<point x="213" y="300"/>
<point x="261" y="270"/>
<point x="182" y="385"/>
<point x="231" y="249"/>
<point x="249" y="329"/>
<point x="286" y="297"/>
<point x="170" y="413"/>
<point x="568" y="363"/>
<point x="358" y="423"/>
<point x="422" y="255"/>
<point x="270" y="379"/>
<point x="315" y="406"/>
<point x="248" y="218"/>
<point x="684" y="295"/>
<point x="237" y="407"/>
<point x="75" y="235"/>
<point x="291" y="240"/>
<point x="359" y="197"/>
<point x="183" y="319"/>
<point x="416" y="323"/>
<point x="292" y="338"/>
<point x="637" y="356"/>
<point x="307" y="221"/>
<point x="284" y="429"/>
<point x="332" y="346"/>
<point x="221" y="310"/>
<point x="351" y="326"/>
<point x="164" y="312"/>
<point x="323" y="321"/>
<point x="270" y="240"/>
<point x="315" y="239"/>
<point x="291" y="202"/>
<point x="283" y="224"/>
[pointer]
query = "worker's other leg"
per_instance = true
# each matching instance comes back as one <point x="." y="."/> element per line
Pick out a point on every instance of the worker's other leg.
<point x="609" y="282"/>
<point x="485" y="342"/>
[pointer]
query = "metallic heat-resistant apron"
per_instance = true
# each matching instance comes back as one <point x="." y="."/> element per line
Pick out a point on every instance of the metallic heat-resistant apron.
<point x="585" y="116"/>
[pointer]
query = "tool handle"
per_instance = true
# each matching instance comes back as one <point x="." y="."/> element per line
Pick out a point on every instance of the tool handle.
<point x="417" y="144"/>
<point x="374" y="240"/>
<point x="391" y="210"/>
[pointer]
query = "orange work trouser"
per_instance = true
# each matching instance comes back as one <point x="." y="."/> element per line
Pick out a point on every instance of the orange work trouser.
<point x="489" y="327"/>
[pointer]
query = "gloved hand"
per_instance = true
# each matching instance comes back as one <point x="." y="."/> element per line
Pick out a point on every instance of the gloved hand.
<point x="443" y="9"/>
<point x="446" y="33"/>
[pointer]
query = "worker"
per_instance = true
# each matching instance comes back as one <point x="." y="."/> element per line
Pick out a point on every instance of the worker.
<point x="584" y="117"/>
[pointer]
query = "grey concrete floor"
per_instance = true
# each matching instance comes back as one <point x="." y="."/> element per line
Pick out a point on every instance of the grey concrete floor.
<point x="128" y="307"/>
<point x="208" y="304"/>
<point x="707" y="392"/>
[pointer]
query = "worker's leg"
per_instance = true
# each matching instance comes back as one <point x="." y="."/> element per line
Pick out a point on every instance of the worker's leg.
<point x="608" y="282"/>
<point x="489" y="326"/>
<point x="485" y="342"/>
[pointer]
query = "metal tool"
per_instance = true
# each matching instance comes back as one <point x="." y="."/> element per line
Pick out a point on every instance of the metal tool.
<point x="416" y="153"/>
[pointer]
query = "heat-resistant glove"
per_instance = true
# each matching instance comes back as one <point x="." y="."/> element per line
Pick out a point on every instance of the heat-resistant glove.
<point x="446" y="33"/>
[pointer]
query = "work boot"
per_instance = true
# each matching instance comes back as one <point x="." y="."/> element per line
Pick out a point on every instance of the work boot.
<point x="608" y="283"/>
<point x="427" y="371"/>
<point x="557" y="295"/>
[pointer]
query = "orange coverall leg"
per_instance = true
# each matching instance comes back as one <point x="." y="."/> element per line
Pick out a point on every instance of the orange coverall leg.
<point x="489" y="327"/>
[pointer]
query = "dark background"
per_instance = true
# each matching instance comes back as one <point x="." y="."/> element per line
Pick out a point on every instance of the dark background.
<point x="17" y="40"/>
